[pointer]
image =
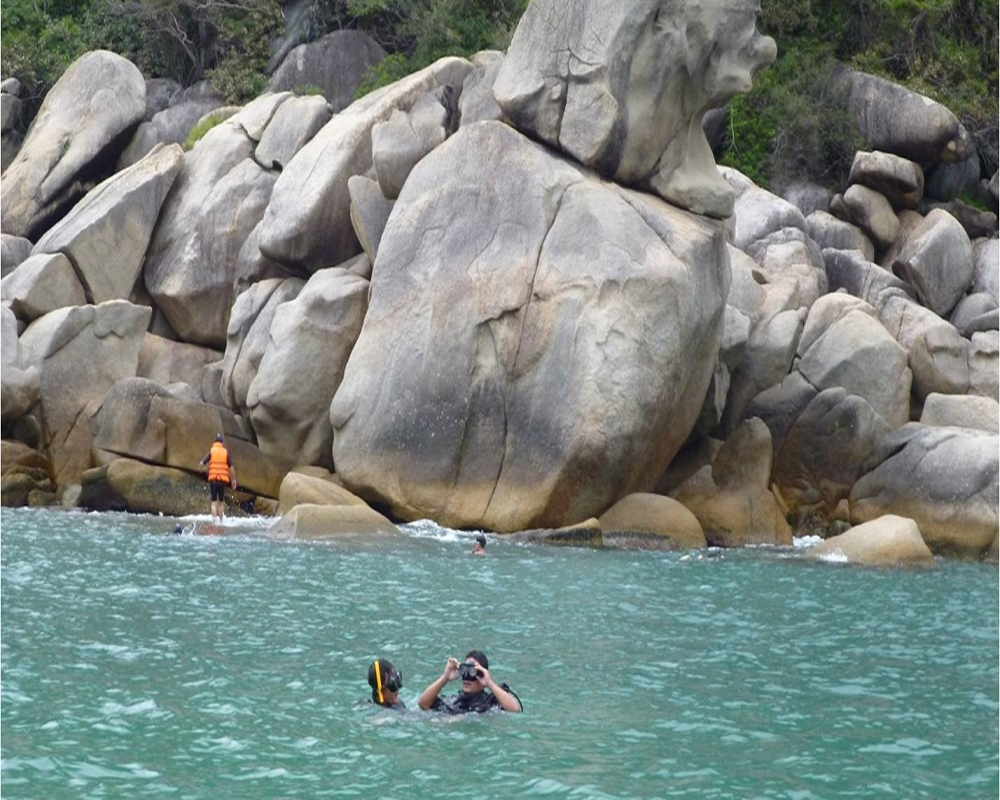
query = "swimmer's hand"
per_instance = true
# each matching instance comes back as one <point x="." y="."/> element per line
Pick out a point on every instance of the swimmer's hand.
<point x="450" y="669"/>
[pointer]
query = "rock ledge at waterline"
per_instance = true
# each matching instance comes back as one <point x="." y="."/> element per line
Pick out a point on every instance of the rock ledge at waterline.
<point x="419" y="303"/>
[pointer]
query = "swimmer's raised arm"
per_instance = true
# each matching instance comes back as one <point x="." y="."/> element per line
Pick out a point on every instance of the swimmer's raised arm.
<point x="508" y="702"/>
<point x="429" y="695"/>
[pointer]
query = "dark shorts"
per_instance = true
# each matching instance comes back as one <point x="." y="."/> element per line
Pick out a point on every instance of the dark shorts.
<point x="217" y="490"/>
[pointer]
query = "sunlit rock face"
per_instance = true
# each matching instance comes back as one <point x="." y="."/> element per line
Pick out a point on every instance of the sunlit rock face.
<point x="622" y="85"/>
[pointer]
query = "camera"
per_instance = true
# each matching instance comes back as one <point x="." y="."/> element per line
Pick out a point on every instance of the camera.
<point x="469" y="672"/>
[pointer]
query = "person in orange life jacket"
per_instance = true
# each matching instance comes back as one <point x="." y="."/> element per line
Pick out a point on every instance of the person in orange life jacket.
<point x="220" y="472"/>
<point x="476" y="679"/>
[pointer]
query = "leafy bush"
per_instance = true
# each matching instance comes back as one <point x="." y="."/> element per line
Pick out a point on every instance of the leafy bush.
<point x="204" y="125"/>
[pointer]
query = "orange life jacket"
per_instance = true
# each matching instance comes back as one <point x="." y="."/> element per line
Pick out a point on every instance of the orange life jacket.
<point x="218" y="463"/>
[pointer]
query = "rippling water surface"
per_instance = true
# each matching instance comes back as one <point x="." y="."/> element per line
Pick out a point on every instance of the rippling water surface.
<point x="141" y="664"/>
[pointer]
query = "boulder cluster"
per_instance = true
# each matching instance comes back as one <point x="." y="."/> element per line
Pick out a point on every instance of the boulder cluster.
<point x="479" y="296"/>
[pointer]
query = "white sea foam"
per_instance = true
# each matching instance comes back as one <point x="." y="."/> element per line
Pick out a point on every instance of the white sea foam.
<point x="834" y="557"/>
<point x="803" y="542"/>
<point x="426" y="529"/>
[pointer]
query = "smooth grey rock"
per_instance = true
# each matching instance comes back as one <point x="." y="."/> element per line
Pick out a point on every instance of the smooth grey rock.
<point x="107" y="233"/>
<point x="909" y="221"/>
<point x="759" y="213"/>
<point x="945" y="479"/>
<point x="168" y="362"/>
<point x="897" y="120"/>
<point x="307" y="225"/>
<point x="369" y="213"/>
<point x="252" y="266"/>
<point x="829" y="232"/>
<point x="644" y="512"/>
<point x="857" y="353"/>
<point x="256" y="115"/>
<point x="249" y="333"/>
<point x="937" y="262"/>
<point x="13" y="250"/>
<point x="986" y="255"/>
<point x="336" y="65"/>
<point x="768" y="359"/>
<point x="984" y="364"/>
<point x="825" y="451"/>
<point x="622" y="88"/>
<point x="295" y="122"/>
<point x="42" y="284"/>
<point x="850" y="271"/>
<point x="962" y="411"/>
<point x="298" y="488"/>
<point x="900" y="180"/>
<point x="974" y="312"/>
<point x="524" y="340"/>
<point x="790" y="258"/>
<point x="92" y="108"/>
<point x="887" y="541"/>
<point x="780" y="406"/>
<point x="11" y="86"/>
<point x="80" y="353"/>
<point x="476" y="102"/>
<point x="191" y="266"/>
<point x="871" y="212"/>
<point x="340" y="523"/>
<point x="311" y="338"/>
<point x="406" y="137"/>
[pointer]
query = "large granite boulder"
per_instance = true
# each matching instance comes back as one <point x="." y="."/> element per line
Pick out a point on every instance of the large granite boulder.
<point x="218" y="198"/>
<point x="307" y="224"/>
<point x="126" y="484"/>
<point x="335" y="64"/>
<point x="40" y="284"/>
<point x="898" y="179"/>
<point x="74" y="141"/>
<point x="946" y="479"/>
<point x="80" y="353"/>
<point x="937" y="262"/>
<point x="962" y="411"/>
<point x="888" y="541"/>
<point x="168" y="362"/>
<point x="295" y="122"/>
<point x="107" y="232"/>
<point x="299" y="488"/>
<point x="544" y="353"/>
<point x="623" y="87"/>
<point x="656" y="514"/>
<point x="310" y="340"/>
<point x="897" y="120"/>
<point x="308" y="521"/>
<point x="844" y="345"/>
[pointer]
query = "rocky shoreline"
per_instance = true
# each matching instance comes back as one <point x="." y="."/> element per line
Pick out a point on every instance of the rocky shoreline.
<point x="504" y="296"/>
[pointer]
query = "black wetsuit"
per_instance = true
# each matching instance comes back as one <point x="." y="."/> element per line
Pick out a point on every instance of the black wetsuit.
<point x="463" y="703"/>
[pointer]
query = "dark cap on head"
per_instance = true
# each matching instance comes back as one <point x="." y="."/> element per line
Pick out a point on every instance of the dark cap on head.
<point x="480" y="657"/>
<point x="392" y="679"/>
<point x="218" y="437"/>
<point x="481" y="539"/>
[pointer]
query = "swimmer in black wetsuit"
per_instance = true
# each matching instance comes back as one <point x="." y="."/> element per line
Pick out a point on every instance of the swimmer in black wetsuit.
<point x="476" y="680"/>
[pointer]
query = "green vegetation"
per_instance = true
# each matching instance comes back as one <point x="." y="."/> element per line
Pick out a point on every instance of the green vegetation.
<point x="788" y="126"/>
<point x="204" y="125"/>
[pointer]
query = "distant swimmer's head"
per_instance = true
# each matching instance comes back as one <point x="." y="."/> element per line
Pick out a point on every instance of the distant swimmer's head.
<point x="480" y="546"/>
<point x="219" y="438"/>
<point x="386" y="681"/>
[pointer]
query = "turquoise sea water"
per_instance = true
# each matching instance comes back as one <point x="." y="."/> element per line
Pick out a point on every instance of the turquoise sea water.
<point x="134" y="663"/>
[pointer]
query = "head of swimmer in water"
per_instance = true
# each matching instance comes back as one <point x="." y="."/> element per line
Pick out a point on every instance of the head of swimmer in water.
<point x="386" y="681"/>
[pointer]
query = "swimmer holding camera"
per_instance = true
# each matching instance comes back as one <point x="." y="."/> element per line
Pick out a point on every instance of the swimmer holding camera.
<point x="479" y="691"/>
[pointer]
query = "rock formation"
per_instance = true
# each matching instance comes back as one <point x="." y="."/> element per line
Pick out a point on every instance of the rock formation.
<point x="506" y="292"/>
